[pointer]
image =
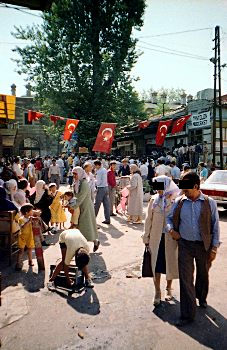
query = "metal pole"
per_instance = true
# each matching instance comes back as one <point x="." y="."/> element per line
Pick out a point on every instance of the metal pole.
<point x="215" y="99"/>
<point x="219" y="97"/>
<point x="163" y="109"/>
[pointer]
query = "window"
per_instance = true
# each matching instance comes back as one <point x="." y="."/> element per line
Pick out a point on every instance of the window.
<point x="26" y="121"/>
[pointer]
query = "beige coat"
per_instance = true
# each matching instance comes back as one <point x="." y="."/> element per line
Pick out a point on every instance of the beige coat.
<point x="154" y="227"/>
<point x="135" y="199"/>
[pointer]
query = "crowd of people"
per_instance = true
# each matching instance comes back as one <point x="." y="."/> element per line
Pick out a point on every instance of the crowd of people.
<point x="178" y="229"/>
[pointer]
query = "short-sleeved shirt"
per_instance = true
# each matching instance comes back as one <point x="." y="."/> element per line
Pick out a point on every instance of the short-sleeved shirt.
<point x="73" y="240"/>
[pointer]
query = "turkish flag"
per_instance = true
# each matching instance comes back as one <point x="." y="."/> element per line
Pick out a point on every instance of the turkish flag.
<point x="32" y="115"/>
<point x="179" y="124"/>
<point x="55" y="118"/>
<point x="162" y="131"/>
<point x="105" y="138"/>
<point x="70" y="127"/>
<point x="144" y="124"/>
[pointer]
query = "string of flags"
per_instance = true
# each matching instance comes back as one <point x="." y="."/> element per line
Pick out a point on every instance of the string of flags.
<point x="106" y="132"/>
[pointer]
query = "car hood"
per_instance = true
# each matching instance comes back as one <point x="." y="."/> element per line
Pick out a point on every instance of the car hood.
<point x="213" y="186"/>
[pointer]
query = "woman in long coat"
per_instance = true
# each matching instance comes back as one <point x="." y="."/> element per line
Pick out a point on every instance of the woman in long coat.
<point x="87" y="221"/>
<point x="164" y="250"/>
<point x="41" y="199"/>
<point x="135" y="198"/>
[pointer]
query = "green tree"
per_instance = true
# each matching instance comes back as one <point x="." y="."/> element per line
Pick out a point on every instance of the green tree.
<point x="80" y="61"/>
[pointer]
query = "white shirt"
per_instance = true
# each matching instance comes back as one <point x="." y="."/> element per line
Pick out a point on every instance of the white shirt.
<point x="101" y="177"/>
<point x="46" y="163"/>
<point x="54" y="170"/>
<point x="161" y="170"/>
<point x="17" y="169"/>
<point x="144" y="170"/>
<point x="131" y="161"/>
<point x="73" y="240"/>
<point x="60" y="163"/>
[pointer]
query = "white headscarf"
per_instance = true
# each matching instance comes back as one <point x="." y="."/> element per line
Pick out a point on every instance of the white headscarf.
<point x="134" y="168"/>
<point x="170" y="189"/>
<point x="39" y="190"/>
<point x="11" y="188"/>
<point x="81" y="175"/>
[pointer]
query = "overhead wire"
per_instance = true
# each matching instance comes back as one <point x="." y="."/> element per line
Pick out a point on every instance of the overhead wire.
<point x="3" y="5"/>
<point x="175" y="33"/>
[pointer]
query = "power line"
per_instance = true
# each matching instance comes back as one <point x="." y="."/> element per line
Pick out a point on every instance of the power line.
<point x="19" y="9"/>
<point x="175" y="33"/>
<point x="173" y="53"/>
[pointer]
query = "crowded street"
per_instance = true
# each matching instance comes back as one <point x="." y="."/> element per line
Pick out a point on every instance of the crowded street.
<point x="118" y="313"/>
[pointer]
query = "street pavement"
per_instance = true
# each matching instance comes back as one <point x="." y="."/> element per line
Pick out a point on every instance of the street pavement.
<point x="116" y="314"/>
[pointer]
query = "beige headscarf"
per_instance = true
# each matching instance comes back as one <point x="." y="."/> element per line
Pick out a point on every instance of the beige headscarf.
<point x="39" y="190"/>
<point x="134" y="168"/>
<point x="11" y="188"/>
<point x="81" y="175"/>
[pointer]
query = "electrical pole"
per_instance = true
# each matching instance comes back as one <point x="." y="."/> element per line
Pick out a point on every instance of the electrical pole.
<point x="214" y="61"/>
<point x="219" y="98"/>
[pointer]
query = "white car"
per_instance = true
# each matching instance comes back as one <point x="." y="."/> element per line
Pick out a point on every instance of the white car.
<point x="216" y="187"/>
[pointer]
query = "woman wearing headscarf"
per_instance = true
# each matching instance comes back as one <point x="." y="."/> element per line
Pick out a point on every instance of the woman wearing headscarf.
<point x="90" y="179"/>
<point x="135" y="198"/>
<point x="11" y="189"/>
<point x="41" y="199"/>
<point x="20" y="197"/>
<point x="87" y="220"/>
<point x="164" y="250"/>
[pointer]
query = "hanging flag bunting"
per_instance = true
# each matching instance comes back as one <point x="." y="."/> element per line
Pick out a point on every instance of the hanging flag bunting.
<point x="178" y="124"/>
<point x="144" y="124"/>
<point x="32" y="115"/>
<point x="55" y="118"/>
<point x="105" y="138"/>
<point x="70" y="127"/>
<point x="162" y="131"/>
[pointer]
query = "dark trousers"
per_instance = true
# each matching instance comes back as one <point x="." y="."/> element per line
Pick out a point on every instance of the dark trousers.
<point x="102" y="196"/>
<point x="188" y="252"/>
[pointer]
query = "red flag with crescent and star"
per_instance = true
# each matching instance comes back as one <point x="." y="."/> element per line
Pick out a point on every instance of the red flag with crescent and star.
<point x="32" y="115"/>
<point x="162" y="131"/>
<point x="144" y="124"/>
<point x="104" y="138"/>
<point x="55" y="118"/>
<point x="178" y="124"/>
<point x="70" y="127"/>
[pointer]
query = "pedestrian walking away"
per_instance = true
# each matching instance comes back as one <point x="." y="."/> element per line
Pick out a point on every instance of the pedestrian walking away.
<point x="102" y="196"/>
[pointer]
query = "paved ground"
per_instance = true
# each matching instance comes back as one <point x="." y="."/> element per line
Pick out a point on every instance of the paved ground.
<point x="118" y="313"/>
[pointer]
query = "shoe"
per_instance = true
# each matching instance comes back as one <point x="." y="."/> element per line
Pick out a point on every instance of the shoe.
<point x="157" y="299"/>
<point x="106" y="222"/>
<point x="89" y="283"/>
<point x="169" y="295"/>
<point x="203" y="304"/>
<point x="183" y="322"/>
<point x="45" y="244"/>
<point x="137" y="222"/>
<point x="53" y="231"/>
<point x="96" y="246"/>
<point x="113" y="214"/>
<point x="51" y="286"/>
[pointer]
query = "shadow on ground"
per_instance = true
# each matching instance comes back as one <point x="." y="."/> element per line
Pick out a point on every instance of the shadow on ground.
<point x="209" y="327"/>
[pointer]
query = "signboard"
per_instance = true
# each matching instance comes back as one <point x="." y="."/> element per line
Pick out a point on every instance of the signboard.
<point x="201" y="120"/>
<point x="83" y="150"/>
<point x="7" y="106"/>
<point x="124" y="143"/>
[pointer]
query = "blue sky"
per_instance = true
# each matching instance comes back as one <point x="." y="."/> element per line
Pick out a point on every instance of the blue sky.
<point x="154" y="69"/>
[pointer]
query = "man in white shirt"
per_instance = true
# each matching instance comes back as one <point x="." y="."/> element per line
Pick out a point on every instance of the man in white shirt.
<point x="144" y="170"/>
<point x="102" y="196"/>
<point x="61" y="165"/>
<point x="54" y="173"/>
<point x="160" y="168"/>
<point x="17" y="168"/>
<point x="73" y="243"/>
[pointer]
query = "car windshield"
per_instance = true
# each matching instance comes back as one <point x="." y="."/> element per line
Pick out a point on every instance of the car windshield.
<point x="218" y="177"/>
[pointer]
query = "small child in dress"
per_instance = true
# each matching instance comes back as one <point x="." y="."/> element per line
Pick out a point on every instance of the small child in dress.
<point x="57" y="211"/>
<point x="71" y="202"/>
<point x="70" y="176"/>
<point x="25" y="238"/>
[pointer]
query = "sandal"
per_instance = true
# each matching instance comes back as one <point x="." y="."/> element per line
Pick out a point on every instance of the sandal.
<point x="157" y="299"/>
<point x="169" y="295"/>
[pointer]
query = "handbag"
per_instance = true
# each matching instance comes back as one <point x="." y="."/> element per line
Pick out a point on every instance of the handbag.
<point x="146" y="267"/>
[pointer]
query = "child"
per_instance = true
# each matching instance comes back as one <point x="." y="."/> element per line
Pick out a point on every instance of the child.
<point x="26" y="235"/>
<point x="70" y="176"/>
<point x="71" y="202"/>
<point x="57" y="212"/>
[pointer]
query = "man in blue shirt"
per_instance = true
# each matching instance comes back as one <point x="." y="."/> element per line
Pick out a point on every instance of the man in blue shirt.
<point x="102" y="195"/>
<point x="203" y="172"/>
<point x="194" y="223"/>
<point x="175" y="172"/>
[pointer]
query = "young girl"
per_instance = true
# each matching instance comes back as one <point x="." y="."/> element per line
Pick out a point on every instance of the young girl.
<point x="26" y="235"/>
<point x="57" y="212"/>
<point x="75" y="213"/>
<point x="164" y="250"/>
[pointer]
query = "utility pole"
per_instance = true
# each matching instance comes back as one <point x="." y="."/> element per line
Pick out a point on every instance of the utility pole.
<point x="216" y="60"/>
<point x="219" y="98"/>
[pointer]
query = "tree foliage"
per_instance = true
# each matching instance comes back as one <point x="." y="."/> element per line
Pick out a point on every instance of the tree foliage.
<point x="80" y="61"/>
